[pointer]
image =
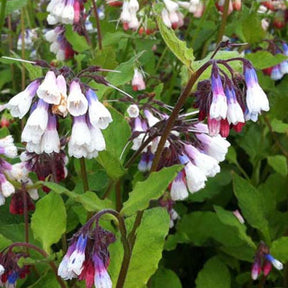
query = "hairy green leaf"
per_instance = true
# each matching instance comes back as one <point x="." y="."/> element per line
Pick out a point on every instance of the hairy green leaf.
<point x="279" y="249"/>
<point x="150" y="189"/>
<point x="251" y="204"/>
<point x="178" y="47"/>
<point x="48" y="222"/>
<point x="264" y="59"/>
<point x="214" y="274"/>
<point x="278" y="163"/>
<point x="165" y="278"/>
<point x="147" y="251"/>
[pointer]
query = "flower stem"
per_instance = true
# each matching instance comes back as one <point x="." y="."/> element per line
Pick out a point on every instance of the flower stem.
<point x="2" y="15"/>
<point x="26" y="220"/>
<point x="97" y="24"/>
<point x="165" y="134"/>
<point x="84" y="174"/>
<point x="171" y="120"/>
<point x="223" y="22"/>
<point x="44" y="254"/>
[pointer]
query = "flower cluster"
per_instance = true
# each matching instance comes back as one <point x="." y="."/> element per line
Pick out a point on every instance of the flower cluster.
<point x="276" y="10"/>
<point x="66" y="12"/>
<point x="16" y="172"/>
<point x="233" y="5"/>
<point x="188" y="143"/>
<point x="87" y="257"/>
<point x="10" y="271"/>
<point x="263" y="262"/>
<point x="278" y="71"/>
<point x="59" y="44"/>
<point x="40" y="133"/>
<point x="128" y="15"/>
<point x="171" y="15"/>
<point x="229" y="101"/>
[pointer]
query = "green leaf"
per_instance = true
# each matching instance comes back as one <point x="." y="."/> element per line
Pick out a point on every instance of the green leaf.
<point x="279" y="249"/>
<point x="47" y="280"/>
<point x="214" y="274"/>
<point x="4" y="242"/>
<point x="223" y="55"/>
<point x="279" y="126"/>
<point x="206" y="227"/>
<point x="227" y="218"/>
<point x="165" y="278"/>
<point x="278" y="163"/>
<point x="178" y="47"/>
<point x="89" y="200"/>
<point x="252" y="35"/>
<point x="251" y="203"/>
<point x="79" y="43"/>
<point x="111" y="164"/>
<point x="116" y="137"/>
<point x="150" y="189"/>
<point x="113" y="38"/>
<point x="264" y="59"/>
<point x="48" y="222"/>
<point x="147" y="251"/>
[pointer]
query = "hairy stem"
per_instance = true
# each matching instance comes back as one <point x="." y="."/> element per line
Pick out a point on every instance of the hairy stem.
<point x="84" y="174"/>
<point x="2" y="15"/>
<point x="165" y="134"/>
<point x="223" y="22"/>
<point x="99" y="34"/>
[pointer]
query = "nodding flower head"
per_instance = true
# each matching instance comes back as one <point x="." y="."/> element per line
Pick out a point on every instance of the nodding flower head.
<point x="87" y="257"/>
<point x="225" y="102"/>
<point x="10" y="271"/>
<point x="263" y="262"/>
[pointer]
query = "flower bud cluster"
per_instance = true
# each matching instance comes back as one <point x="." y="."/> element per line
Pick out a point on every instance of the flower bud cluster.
<point x="87" y="257"/>
<point x="229" y="101"/>
<point x="10" y="271"/>
<point x="48" y="100"/>
<point x="264" y="261"/>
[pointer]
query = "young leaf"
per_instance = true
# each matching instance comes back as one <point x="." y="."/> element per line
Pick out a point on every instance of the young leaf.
<point x="48" y="222"/>
<point x="150" y="189"/>
<point x="251" y="204"/>
<point x="214" y="274"/>
<point x="148" y="247"/>
<point x="178" y="47"/>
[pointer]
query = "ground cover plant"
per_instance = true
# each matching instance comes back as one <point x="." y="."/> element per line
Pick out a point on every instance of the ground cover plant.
<point x="143" y="143"/>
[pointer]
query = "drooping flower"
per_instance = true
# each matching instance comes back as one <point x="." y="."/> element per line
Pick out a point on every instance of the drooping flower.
<point x="87" y="257"/>
<point x="20" y="104"/>
<point x="77" y="103"/>
<point x="99" y="115"/>
<point x="256" y="98"/>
